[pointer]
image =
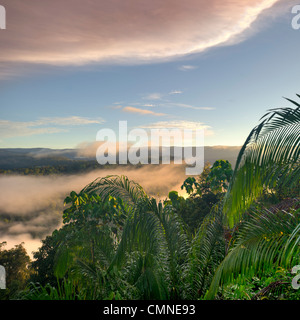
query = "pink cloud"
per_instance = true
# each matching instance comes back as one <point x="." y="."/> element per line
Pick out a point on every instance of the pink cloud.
<point x="77" y="32"/>
<point x="142" y="111"/>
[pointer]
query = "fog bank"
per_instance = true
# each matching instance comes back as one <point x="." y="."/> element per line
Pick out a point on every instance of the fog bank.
<point x="31" y="206"/>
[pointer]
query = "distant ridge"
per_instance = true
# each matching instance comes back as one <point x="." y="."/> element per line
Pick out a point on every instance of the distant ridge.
<point x="14" y="158"/>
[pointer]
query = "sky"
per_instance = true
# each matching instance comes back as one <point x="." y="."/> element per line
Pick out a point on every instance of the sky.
<point x="70" y="68"/>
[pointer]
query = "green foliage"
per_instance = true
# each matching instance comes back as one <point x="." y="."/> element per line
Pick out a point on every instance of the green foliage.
<point x="220" y="175"/>
<point x="203" y="195"/>
<point x="189" y="184"/>
<point x="269" y="156"/>
<point x="66" y="290"/>
<point x="16" y="263"/>
<point x="43" y="263"/>
<point x="275" y="285"/>
<point x="263" y="241"/>
<point x="206" y="252"/>
<point x="149" y="256"/>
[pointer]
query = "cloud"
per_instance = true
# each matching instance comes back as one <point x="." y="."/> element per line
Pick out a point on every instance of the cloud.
<point x="176" y="124"/>
<point x="119" y="106"/>
<point x="181" y="124"/>
<point x="10" y="129"/>
<point x="184" y="105"/>
<point x="73" y="32"/>
<point x="142" y="111"/>
<point x="153" y="96"/>
<point x="148" y="105"/>
<point x="175" y="92"/>
<point x="70" y="121"/>
<point x="187" y="68"/>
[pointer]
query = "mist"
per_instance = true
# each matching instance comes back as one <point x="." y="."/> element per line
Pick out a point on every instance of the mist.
<point x="31" y="206"/>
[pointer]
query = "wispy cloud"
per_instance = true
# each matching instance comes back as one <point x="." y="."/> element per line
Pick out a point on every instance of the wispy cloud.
<point x="187" y="67"/>
<point x="153" y="96"/>
<point x="176" y="124"/>
<point x="148" y="105"/>
<point x="72" y="33"/>
<point x="180" y="124"/>
<point x="159" y="103"/>
<point x="142" y="111"/>
<point x="69" y="121"/>
<point x="119" y="106"/>
<point x="175" y="92"/>
<point x="187" y="106"/>
<point x="9" y="129"/>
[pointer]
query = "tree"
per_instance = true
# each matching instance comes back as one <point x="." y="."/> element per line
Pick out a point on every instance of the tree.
<point x="199" y="186"/>
<point x="149" y="259"/>
<point x="220" y="175"/>
<point x="16" y="263"/>
<point x="204" y="192"/>
<point x="44" y="259"/>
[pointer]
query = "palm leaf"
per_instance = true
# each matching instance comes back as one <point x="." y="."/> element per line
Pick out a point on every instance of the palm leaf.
<point x="155" y="231"/>
<point x="269" y="154"/>
<point x="206" y="253"/>
<point x="152" y="232"/>
<point x="264" y="241"/>
<point x="116" y="186"/>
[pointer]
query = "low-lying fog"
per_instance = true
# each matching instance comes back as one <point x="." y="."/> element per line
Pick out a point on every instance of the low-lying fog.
<point x="31" y="206"/>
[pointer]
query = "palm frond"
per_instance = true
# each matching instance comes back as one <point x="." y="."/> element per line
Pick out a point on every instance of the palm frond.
<point x="116" y="186"/>
<point x="264" y="241"/>
<point x="155" y="231"/>
<point x="271" y="152"/>
<point x="206" y="253"/>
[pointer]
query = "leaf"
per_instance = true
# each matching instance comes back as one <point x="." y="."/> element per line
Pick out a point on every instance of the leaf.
<point x="271" y="152"/>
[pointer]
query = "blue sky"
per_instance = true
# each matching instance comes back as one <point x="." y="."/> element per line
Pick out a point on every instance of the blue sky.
<point x="225" y="87"/>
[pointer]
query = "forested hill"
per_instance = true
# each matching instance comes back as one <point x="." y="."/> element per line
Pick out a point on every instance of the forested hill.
<point x="53" y="161"/>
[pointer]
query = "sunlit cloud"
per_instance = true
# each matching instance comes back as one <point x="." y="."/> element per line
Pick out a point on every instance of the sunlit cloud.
<point x="69" y="121"/>
<point x="74" y="32"/>
<point x="130" y="109"/>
